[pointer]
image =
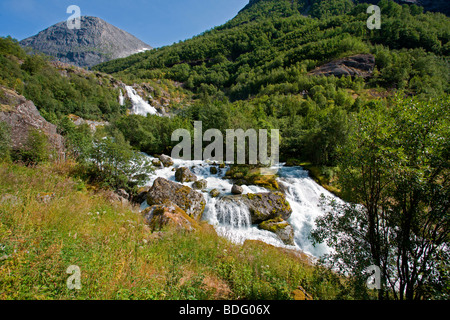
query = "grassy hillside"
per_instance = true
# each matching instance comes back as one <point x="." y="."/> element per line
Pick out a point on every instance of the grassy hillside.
<point x="59" y="89"/>
<point x="278" y="47"/>
<point x="49" y="221"/>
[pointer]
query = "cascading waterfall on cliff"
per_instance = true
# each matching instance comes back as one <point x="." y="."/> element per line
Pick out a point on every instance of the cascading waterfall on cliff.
<point x="139" y="106"/>
<point x="121" y="99"/>
<point x="232" y="220"/>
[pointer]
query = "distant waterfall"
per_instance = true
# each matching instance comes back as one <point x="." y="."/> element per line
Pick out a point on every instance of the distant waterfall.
<point x="121" y="98"/>
<point x="139" y="106"/>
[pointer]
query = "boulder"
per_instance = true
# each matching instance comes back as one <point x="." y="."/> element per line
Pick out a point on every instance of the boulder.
<point x="114" y="198"/>
<point x="156" y="163"/>
<point x="281" y="228"/>
<point x="22" y="116"/>
<point x="214" y="193"/>
<point x="158" y="216"/>
<point x="263" y="206"/>
<point x="301" y="294"/>
<point x="183" y="174"/>
<point x="141" y="194"/>
<point x="253" y="176"/>
<point x="123" y="193"/>
<point x="213" y="170"/>
<point x="166" y="160"/>
<point x="361" y="65"/>
<point x="164" y="191"/>
<point x="200" y="184"/>
<point x="236" y="189"/>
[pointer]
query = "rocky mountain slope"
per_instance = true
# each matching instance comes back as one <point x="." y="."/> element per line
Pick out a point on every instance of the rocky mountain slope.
<point x="95" y="42"/>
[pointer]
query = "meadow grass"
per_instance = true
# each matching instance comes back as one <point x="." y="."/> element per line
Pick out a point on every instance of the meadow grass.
<point x="49" y="221"/>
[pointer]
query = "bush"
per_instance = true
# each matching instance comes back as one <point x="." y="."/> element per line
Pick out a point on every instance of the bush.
<point x="36" y="150"/>
<point x="5" y="152"/>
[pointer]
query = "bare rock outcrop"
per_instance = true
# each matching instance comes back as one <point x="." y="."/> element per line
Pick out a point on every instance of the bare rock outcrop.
<point x="21" y="116"/>
<point x="360" y="65"/>
<point x="164" y="191"/>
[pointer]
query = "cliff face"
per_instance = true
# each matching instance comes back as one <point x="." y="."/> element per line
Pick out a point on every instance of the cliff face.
<point x="95" y="42"/>
<point x="360" y="65"/>
<point x="21" y="115"/>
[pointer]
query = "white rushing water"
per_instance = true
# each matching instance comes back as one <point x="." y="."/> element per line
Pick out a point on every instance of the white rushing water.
<point x="233" y="221"/>
<point x="121" y="99"/>
<point x="139" y="105"/>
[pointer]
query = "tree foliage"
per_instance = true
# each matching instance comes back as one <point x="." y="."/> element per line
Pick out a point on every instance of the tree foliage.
<point x="396" y="167"/>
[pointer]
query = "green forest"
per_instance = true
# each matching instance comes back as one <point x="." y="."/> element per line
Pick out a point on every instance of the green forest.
<point x="56" y="94"/>
<point x="252" y="72"/>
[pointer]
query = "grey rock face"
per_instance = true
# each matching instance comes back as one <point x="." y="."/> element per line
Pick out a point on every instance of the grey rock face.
<point x="23" y="117"/>
<point x="361" y="65"/>
<point x="166" y="160"/>
<point x="200" y="184"/>
<point x="95" y="42"/>
<point x="183" y="174"/>
<point x="164" y="191"/>
<point x="236" y="189"/>
<point x="281" y="228"/>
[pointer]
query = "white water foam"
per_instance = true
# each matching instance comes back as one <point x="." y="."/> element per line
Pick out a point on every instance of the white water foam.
<point x="232" y="220"/>
<point x="121" y="98"/>
<point x="139" y="106"/>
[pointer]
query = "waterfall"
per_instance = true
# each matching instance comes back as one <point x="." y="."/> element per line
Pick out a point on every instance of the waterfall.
<point x="232" y="220"/>
<point x="139" y="106"/>
<point x="121" y="98"/>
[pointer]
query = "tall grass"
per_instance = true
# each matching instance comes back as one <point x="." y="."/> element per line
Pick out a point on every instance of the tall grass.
<point x="49" y="221"/>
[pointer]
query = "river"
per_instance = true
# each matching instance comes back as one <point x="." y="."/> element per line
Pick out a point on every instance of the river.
<point x="233" y="221"/>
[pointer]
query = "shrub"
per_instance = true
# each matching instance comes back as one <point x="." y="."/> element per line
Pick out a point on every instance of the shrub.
<point x="5" y="152"/>
<point x="36" y="149"/>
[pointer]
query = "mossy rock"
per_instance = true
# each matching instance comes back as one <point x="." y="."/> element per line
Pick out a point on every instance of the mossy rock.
<point x="293" y="162"/>
<point x="189" y="200"/>
<point x="213" y="170"/>
<point x="301" y="294"/>
<point x="214" y="193"/>
<point x="200" y="184"/>
<point x="166" y="160"/>
<point x="264" y="206"/>
<point x="157" y="163"/>
<point x="252" y="176"/>
<point x="183" y="174"/>
<point x="159" y="216"/>
<point x="281" y="228"/>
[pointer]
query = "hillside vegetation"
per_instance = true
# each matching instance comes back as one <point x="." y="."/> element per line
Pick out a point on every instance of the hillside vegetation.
<point x="254" y="71"/>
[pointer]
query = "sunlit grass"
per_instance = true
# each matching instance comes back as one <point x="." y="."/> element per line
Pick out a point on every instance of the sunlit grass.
<point x="48" y="222"/>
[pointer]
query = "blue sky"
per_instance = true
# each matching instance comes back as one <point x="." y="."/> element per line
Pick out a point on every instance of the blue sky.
<point x="156" y="22"/>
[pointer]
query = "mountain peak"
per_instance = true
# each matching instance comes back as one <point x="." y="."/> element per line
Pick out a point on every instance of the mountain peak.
<point x="96" y="41"/>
